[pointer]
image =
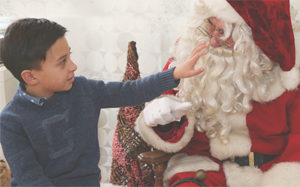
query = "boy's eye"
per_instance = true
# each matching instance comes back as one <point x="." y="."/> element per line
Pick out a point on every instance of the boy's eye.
<point x="63" y="62"/>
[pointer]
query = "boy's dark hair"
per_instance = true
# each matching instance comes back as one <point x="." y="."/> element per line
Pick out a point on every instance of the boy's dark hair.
<point x="26" y="42"/>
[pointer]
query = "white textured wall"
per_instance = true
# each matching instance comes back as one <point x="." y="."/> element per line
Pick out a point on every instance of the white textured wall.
<point x="99" y="31"/>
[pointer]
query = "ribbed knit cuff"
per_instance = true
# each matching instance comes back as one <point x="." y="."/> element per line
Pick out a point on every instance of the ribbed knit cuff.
<point x="167" y="80"/>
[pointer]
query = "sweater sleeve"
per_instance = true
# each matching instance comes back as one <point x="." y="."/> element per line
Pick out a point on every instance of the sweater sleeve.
<point x="20" y="156"/>
<point x="132" y="93"/>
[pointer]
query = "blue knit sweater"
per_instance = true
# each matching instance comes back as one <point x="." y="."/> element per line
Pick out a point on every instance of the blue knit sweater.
<point x="54" y="142"/>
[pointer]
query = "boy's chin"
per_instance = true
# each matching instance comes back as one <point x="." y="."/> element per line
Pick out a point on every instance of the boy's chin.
<point x="69" y="88"/>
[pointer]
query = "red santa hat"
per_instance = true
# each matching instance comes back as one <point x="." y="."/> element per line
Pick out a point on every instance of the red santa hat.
<point x="269" y="21"/>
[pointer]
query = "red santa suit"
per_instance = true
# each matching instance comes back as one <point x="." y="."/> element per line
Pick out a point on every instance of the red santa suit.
<point x="269" y="134"/>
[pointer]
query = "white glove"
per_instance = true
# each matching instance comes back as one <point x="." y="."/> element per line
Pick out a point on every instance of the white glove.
<point x="165" y="110"/>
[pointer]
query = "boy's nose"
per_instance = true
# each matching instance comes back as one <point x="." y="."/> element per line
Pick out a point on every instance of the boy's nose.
<point x="73" y="66"/>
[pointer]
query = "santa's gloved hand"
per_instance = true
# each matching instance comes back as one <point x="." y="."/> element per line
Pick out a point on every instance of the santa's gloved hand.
<point x="164" y="110"/>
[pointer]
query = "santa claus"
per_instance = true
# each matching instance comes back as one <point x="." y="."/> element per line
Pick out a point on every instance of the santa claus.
<point x="238" y="121"/>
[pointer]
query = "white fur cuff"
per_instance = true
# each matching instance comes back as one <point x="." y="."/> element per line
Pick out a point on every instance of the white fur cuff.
<point x="237" y="176"/>
<point x="285" y="174"/>
<point x="150" y="136"/>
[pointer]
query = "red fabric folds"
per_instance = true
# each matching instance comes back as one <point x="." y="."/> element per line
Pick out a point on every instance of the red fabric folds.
<point x="271" y="27"/>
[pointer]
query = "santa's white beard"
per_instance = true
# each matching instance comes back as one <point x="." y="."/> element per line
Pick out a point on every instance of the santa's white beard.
<point x="227" y="85"/>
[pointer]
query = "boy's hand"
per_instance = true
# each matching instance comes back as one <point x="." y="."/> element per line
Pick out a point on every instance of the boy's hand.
<point x="187" y="68"/>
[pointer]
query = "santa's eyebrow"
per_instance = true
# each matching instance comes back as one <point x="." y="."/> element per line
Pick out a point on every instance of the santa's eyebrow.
<point x="208" y="19"/>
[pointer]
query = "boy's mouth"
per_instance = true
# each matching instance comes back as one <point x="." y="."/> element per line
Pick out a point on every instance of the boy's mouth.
<point x="71" y="79"/>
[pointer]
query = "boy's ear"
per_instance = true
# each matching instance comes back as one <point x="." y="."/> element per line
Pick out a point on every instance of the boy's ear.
<point x="29" y="77"/>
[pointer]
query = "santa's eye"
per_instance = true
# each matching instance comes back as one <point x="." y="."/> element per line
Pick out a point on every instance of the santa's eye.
<point x="221" y="31"/>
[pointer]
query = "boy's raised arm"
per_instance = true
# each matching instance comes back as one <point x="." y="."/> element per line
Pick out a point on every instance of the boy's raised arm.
<point x="187" y="68"/>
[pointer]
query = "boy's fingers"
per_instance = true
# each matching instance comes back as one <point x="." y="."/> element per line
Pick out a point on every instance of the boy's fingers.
<point x="195" y="58"/>
<point x="202" y="45"/>
<point x="204" y="51"/>
<point x="199" y="70"/>
<point x="196" y="71"/>
<point x="197" y="55"/>
<point x="199" y="48"/>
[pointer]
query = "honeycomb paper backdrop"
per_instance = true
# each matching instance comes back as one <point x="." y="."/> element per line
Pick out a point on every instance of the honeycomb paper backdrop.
<point x="99" y="32"/>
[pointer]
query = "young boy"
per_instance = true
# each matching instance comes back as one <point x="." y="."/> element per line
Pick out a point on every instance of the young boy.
<point x="49" y="129"/>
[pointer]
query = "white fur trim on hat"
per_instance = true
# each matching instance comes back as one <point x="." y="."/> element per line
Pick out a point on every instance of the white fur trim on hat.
<point x="217" y="8"/>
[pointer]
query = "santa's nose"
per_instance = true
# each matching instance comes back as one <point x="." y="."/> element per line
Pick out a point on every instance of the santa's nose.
<point x="214" y="42"/>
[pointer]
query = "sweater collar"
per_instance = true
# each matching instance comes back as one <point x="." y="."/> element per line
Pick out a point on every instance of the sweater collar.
<point x="35" y="100"/>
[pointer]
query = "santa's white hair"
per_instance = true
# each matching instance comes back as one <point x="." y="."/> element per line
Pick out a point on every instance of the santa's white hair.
<point x="231" y="77"/>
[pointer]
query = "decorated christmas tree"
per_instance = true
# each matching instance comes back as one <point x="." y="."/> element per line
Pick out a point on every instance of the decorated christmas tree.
<point x="127" y="143"/>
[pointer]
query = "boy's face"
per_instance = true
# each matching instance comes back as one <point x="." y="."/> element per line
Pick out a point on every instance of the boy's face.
<point x="57" y="71"/>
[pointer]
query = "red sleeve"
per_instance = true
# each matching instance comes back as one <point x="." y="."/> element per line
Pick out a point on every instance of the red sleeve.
<point x="291" y="151"/>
